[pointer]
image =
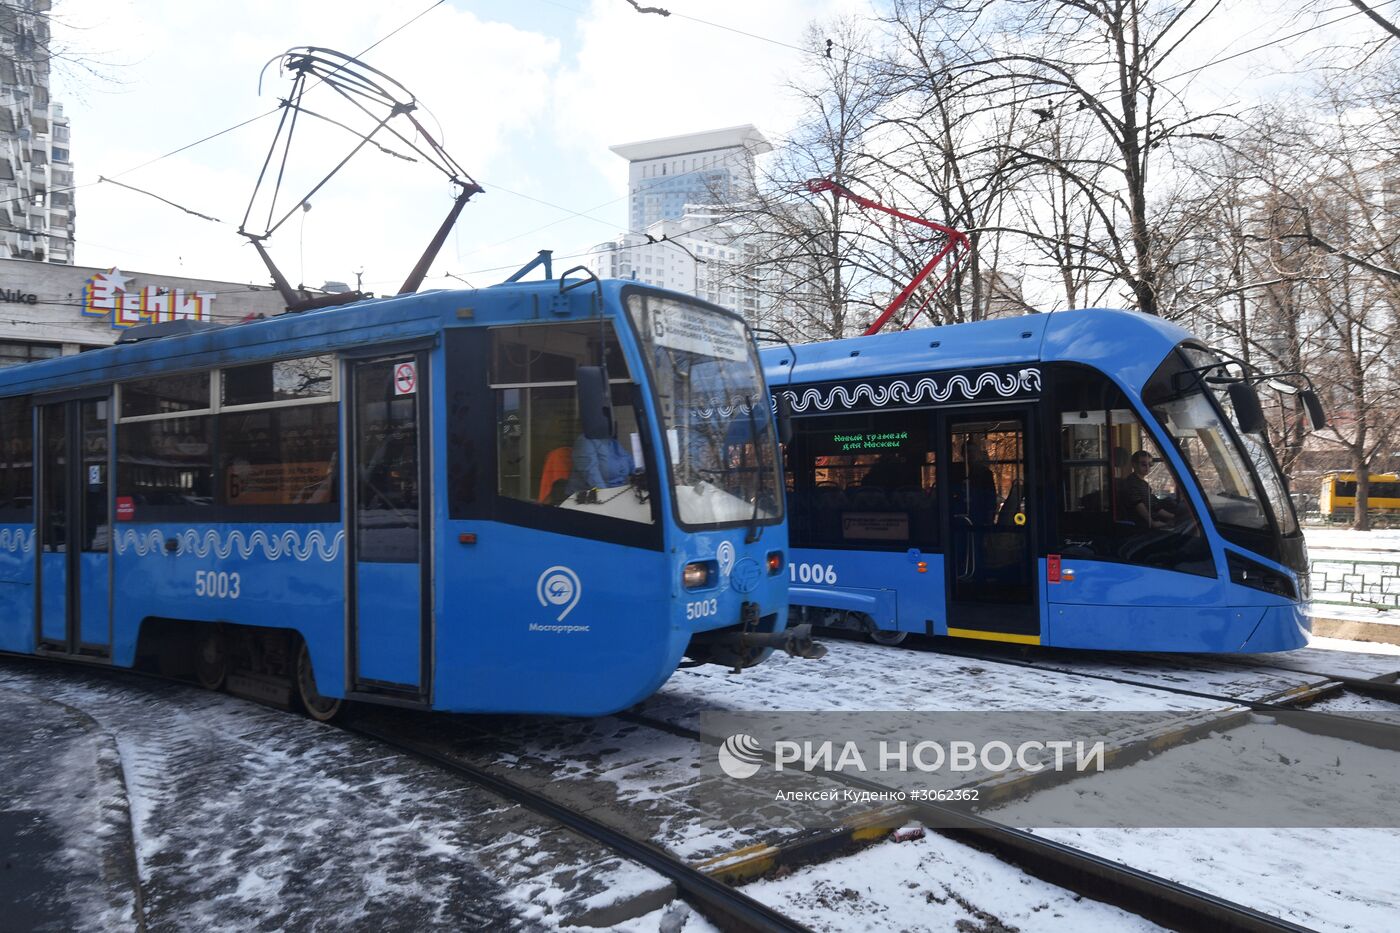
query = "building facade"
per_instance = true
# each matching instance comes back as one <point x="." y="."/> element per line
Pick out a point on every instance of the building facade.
<point x="49" y="310"/>
<point x="678" y="237"/>
<point x="665" y="176"/>
<point x="36" y="167"/>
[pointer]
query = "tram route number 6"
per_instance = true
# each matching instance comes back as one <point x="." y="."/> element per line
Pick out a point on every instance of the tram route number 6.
<point x="216" y="584"/>
<point x="813" y="573"/>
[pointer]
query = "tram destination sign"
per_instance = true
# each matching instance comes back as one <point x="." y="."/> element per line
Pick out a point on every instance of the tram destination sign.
<point x="679" y="326"/>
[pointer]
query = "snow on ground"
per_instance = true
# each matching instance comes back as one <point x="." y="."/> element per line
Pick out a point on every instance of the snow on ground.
<point x="251" y="818"/>
<point x="1325" y="879"/>
<point x="857" y="676"/>
<point x="1331" y="542"/>
<point x="933" y="884"/>
<point x="1337" y="879"/>
<point x="1357" y="647"/>
<point x="65" y="836"/>
<point x="1352" y="613"/>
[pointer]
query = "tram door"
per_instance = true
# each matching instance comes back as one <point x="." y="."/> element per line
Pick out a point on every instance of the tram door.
<point x="990" y="551"/>
<point x="74" y="535"/>
<point x="390" y="586"/>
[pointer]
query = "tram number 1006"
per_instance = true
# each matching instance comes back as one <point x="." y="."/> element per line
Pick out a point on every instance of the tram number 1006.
<point x="812" y="573"/>
<point x="216" y="584"/>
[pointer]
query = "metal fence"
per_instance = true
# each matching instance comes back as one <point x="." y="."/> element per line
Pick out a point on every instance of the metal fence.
<point x="1365" y="583"/>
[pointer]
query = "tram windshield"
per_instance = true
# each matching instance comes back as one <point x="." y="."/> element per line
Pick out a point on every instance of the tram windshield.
<point x="713" y="410"/>
<point x="1194" y="417"/>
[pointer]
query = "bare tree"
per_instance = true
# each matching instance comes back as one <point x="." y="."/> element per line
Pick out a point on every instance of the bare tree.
<point x="814" y="261"/>
<point x="1108" y="60"/>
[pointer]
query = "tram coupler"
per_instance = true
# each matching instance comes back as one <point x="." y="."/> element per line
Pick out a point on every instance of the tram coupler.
<point x="795" y="641"/>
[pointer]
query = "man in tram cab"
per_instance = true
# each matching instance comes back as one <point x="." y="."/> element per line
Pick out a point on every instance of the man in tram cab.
<point x="599" y="463"/>
<point x="1140" y="504"/>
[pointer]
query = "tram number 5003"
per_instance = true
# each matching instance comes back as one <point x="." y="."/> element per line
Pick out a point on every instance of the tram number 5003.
<point x="812" y="573"/>
<point x="216" y="584"/>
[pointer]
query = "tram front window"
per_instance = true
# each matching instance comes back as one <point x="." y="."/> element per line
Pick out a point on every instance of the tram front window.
<point x="1183" y="404"/>
<point x="713" y="409"/>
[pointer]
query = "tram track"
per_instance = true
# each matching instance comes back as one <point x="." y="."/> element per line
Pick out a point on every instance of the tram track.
<point x="1159" y="900"/>
<point x="1169" y="903"/>
<point x="725" y="906"/>
<point x="1380" y="733"/>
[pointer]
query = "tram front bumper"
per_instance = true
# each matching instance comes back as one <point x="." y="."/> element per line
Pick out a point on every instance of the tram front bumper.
<point x="749" y="642"/>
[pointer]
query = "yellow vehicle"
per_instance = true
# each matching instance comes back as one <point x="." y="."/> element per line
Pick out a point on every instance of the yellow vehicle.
<point x="1338" y="499"/>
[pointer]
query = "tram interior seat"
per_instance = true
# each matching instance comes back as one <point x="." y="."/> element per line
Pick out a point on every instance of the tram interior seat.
<point x="554" y="477"/>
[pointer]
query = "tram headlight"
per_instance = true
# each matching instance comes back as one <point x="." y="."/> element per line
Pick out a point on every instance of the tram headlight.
<point x="697" y="575"/>
<point x="775" y="562"/>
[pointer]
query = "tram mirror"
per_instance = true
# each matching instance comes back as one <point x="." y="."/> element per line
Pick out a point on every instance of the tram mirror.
<point x="784" y="412"/>
<point x="1249" y="413"/>
<point x="594" y="403"/>
<point x="1312" y="407"/>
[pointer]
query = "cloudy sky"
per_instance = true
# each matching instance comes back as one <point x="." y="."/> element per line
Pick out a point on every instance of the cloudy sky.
<point x="527" y="95"/>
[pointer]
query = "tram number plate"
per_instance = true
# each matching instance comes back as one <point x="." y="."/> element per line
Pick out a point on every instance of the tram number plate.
<point x="216" y="584"/>
<point x="812" y="573"/>
<point x="702" y="609"/>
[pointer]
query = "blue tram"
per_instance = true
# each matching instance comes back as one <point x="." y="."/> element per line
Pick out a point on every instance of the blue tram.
<point x="534" y="497"/>
<point x="1075" y="479"/>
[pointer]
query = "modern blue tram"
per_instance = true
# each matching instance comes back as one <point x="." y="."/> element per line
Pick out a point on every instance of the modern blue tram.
<point x="1077" y="479"/>
<point x="534" y="497"/>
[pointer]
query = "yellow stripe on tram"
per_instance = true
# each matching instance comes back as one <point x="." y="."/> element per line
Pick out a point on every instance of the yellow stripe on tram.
<point x="994" y="636"/>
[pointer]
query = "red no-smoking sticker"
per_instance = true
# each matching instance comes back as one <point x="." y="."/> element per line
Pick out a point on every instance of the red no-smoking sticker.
<point x="405" y="379"/>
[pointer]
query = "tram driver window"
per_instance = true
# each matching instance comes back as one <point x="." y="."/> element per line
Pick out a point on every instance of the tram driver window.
<point x="543" y="454"/>
<point x="1119" y="498"/>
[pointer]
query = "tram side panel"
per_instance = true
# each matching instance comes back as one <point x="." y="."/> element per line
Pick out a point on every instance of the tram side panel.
<point x="17" y="587"/>
<point x="268" y="575"/>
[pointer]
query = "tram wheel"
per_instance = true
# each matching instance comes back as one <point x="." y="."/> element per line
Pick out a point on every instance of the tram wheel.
<point x="319" y="708"/>
<point x="211" y="660"/>
<point x="887" y="637"/>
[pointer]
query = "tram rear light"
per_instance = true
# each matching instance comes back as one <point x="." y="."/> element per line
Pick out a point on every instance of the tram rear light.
<point x="775" y="562"/>
<point x="466" y="537"/>
<point x="922" y="566"/>
<point x="696" y="575"/>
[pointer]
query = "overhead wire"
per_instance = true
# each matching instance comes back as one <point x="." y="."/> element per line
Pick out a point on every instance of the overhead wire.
<point x="223" y="132"/>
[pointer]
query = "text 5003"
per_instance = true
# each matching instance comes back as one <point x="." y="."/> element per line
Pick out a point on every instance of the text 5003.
<point x="217" y="584"/>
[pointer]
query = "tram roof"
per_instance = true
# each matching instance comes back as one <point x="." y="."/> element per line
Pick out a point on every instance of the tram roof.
<point x="366" y="323"/>
<point x="1127" y="344"/>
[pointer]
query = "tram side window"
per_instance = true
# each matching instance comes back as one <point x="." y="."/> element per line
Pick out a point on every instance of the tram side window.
<point x="543" y="455"/>
<point x="166" y="466"/>
<point x="864" y="481"/>
<point x="257" y="442"/>
<point x="279" y="436"/>
<point x="279" y="457"/>
<point x="1119" y="499"/>
<point x="16" y="460"/>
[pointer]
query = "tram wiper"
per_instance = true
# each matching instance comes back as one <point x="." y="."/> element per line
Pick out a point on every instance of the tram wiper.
<point x="754" y="532"/>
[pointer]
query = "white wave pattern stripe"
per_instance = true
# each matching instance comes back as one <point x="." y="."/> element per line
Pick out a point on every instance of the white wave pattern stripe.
<point x="17" y="539"/>
<point x="923" y="390"/>
<point x="272" y="546"/>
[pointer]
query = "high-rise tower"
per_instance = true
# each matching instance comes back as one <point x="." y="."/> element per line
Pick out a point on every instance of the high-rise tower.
<point x="713" y="167"/>
<point x="36" y="169"/>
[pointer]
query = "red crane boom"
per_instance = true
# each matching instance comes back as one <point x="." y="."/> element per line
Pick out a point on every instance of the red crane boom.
<point x="956" y="240"/>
